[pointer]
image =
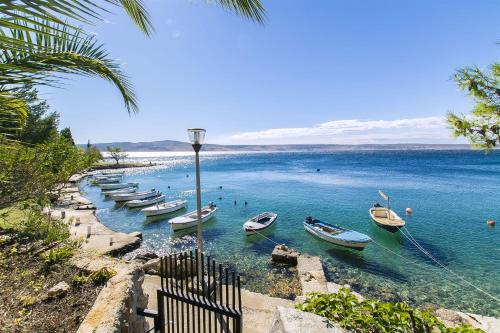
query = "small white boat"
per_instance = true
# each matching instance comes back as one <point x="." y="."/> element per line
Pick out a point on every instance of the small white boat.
<point x="145" y="202"/>
<point x="120" y="191"/>
<point x="164" y="208"/>
<point x="111" y="175"/>
<point x="117" y="186"/>
<point x="259" y="223"/>
<point x="191" y="219"/>
<point x="108" y="180"/>
<point x="337" y="235"/>
<point x="135" y="196"/>
<point x="385" y="217"/>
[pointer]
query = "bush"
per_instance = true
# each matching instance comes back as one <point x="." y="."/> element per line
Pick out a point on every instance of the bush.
<point x="57" y="255"/>
<point x="98" y="277"/>
<point x="374" y="316"/>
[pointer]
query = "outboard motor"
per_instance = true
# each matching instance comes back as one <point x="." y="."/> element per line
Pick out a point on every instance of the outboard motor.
<point x="309" y="220"/>
<point x="377" y="205"/>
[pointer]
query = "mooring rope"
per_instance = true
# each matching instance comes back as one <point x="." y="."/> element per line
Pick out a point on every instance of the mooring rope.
<point x="268" y="238"/>
<point x="424" y="251"/>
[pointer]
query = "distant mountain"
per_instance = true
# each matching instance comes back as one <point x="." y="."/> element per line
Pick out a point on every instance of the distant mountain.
<point x="171" y="145"/>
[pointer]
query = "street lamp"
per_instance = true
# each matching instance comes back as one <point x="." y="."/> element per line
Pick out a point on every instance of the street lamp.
<point x="196" y="136"/>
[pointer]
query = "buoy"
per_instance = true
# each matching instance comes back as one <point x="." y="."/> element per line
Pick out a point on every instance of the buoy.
<point x="220" y="187"/>
<point x="409" y="211"/>
<point x="490" y="222"/>
<point x="169" y="187"/>
<point x="235" y="202"/>
<point x="246" y="203"/>
<point x="318" y="170"/>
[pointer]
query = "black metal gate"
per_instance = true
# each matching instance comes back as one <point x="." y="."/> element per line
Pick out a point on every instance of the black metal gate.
<point x="196" y="295"/>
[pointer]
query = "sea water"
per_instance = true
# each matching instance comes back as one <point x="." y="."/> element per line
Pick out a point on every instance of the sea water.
<point x="452" y="195"/>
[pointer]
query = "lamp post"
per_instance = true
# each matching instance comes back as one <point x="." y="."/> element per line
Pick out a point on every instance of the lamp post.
<point x="196" y="137"/>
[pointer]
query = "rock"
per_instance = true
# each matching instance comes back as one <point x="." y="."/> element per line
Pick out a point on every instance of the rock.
<point x="282" y="254"/>
<point x="59" y="290"/>
<point x="146" y="256"/>
<point x="136" y="234"/>
<point x="288" y="320"/>
<point x="152" y="272"/>
<point x="153" y="264"/>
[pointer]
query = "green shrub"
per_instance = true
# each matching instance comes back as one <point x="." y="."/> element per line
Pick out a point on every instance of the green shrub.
<point x="54" y="256"/>
<point x="375" y="316"/>
<point x="98" y="277"/>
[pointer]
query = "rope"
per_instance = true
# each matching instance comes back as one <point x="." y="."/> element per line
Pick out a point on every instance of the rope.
<point x="424" y="251"/>
<point x="267" y="237"/>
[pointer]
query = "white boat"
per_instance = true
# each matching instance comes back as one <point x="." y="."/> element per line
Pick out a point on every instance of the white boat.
<point x="146" y="202"/>
<point x="120" y="191"/>
<point x="117" y="186"/>
<point x="108" y="180"/>
<point x="111" y="175"/>
<point x="191" y="219"/>
<point x="259" y="223"/>
<point x="164" y="208"/>
<point x="385" y="217"/>
<point x="336" y="234"/>
<point x="135" y="196"/>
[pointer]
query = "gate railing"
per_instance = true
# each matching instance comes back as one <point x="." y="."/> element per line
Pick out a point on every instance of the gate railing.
<point x="196" y="295"/>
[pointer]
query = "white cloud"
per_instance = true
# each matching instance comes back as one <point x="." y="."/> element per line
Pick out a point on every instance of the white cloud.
<point x="353" y="131"/>
<point x="176" y="34"/>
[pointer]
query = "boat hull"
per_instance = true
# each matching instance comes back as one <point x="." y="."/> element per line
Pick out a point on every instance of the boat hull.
<point x="164" y="211"/>
<point x="360" y="246"/>
<point x="132" y="196"/>
<point x="392" y="225"/>
<point x="181" y="222"/>
<point x="145" y="202"/>
<point x="117" y="186"/>
<point x="252" y="228"/>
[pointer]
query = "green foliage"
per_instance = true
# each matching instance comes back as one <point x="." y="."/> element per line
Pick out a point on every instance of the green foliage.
<point x="40" y="125"/>
<point x="375" y="316"/>
<point x="32" y="172"/>
<point x="98" y="277"/>
<point x="31" y="222"/>
<point x="482" y="128"/>
<point x="66" y="134"/>
<point x="57" y="255"/>
<point x="116" y="153"/>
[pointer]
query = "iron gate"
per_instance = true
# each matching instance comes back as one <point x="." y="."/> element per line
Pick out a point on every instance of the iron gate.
<point x="196" y="295"/>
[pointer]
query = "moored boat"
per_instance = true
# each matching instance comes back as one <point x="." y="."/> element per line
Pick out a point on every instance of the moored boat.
<point x="191" y="219"/>
<point x="336" y="234"/>
<point x="385" y="217"/>
<point x="134" y="196"/>
<point x="125" y="190"/>
<point x="164" y="208"/>
<point x="117" y="186"/>
<point x="259" y="223"/>
<point x="107" y="180"/>
<point x="145" y="202"/>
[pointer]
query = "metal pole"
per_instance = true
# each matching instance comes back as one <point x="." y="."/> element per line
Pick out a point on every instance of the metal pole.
<point x="197" y="148"/>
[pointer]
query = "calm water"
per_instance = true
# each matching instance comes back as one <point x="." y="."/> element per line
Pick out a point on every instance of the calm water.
<point x="452" y="194"/>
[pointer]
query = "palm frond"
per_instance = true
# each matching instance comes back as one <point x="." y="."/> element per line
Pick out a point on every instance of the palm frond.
<point x="13" y="113"/>
<point x="250" y="9"/>
<point x="67" y="52"/>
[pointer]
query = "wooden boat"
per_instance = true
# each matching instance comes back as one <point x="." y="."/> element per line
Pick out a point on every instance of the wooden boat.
<point x="135" y="196"/>
<point x="120" y="191"/>
<point x="164" y="208"/>
<point x="384" y="217"/>
<point x="111" y="175"/>
<point x="259" y="223"/>
<point x="337" y="235"/>
<point x="117" y="186"/>
<point x="145" y="202"/>
<point x="191" y="219"/>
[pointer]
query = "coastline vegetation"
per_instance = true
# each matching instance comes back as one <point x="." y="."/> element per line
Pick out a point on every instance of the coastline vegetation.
<point x="369" y="316"/>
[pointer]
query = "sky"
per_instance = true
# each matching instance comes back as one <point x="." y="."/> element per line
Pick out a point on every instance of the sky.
<point x="317" y="71"/>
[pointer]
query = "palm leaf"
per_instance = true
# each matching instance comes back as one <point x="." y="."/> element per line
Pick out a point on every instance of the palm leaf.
<point x="13" y="113"/>
<point x="250" y="9"/>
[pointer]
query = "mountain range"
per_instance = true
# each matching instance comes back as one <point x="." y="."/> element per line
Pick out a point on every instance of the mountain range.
<point x="171" y="145"/>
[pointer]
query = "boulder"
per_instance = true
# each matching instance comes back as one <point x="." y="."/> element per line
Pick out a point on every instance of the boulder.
<point x="282" y="254"/>
<point x="136" y="234"/>
<point x="288" y="320"/>
<point x="59" y="290"/>
<point x="146" y="256"/>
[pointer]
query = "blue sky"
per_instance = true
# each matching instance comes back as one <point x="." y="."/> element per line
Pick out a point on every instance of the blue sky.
<point x="325" y="71"/>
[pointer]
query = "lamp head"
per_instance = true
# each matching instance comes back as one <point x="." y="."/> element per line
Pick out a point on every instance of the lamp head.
<point x="196" y="135"/>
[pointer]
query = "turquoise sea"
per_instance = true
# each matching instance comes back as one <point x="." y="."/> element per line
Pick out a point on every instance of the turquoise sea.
<point x="452" y="194"/>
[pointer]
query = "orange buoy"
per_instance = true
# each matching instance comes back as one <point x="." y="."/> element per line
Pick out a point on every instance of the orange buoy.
<point x="490" y="222"/>
<point x="409" y="211"/>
